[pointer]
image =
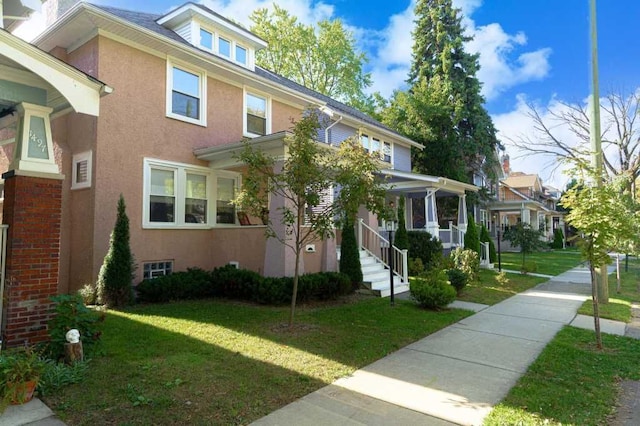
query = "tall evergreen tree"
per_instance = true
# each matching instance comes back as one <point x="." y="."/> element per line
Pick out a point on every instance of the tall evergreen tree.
<point x="443" y="108"/>
<point x="116" y="274"/>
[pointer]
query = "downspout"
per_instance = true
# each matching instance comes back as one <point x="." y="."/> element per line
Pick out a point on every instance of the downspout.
<point x="326" y="131"/>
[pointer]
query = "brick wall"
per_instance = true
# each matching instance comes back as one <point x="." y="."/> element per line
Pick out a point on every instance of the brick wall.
<point x="32" y="209"/>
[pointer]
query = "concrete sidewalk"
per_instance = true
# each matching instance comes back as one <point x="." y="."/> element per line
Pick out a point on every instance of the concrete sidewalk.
<point x="454" y="376"/>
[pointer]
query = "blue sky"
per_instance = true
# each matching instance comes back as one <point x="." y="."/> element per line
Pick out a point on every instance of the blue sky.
<point x="536" y="51"/>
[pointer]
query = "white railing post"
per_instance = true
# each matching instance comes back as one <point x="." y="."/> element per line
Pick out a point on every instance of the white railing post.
<point x="405" y="265"/>
<point x="359" y="236"/>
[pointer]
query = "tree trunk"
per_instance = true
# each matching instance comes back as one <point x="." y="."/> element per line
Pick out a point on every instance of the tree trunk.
<point x="618" y="285"/>
<point x="296" y="274"/>
<point x="603" y="284"/>
<point x="596" y="310"/>
<point x="73" y="352"/>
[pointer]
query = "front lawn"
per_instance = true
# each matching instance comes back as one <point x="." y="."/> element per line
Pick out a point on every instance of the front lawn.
<point x="223" y="362"/>
<point x="571" y="382"/>
<point x="619" y="306"/>
<point x="489" y="291"/>
<point x="553" y="262"/>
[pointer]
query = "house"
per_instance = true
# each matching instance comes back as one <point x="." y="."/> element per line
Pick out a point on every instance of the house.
<point x="522" y="198"/>
<point x="186" y="92"/>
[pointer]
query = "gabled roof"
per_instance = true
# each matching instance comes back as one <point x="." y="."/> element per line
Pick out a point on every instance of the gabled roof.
<point x="521" y="180"/>
<point x="149" y="22"/>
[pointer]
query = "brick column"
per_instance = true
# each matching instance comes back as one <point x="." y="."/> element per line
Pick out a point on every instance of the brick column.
<point x="32" y="209"/>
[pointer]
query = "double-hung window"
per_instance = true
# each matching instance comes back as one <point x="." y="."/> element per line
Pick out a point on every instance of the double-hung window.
<point x="256" y="115"/>
<point x="377" y="147"/>
<point x="226" y="187"/>
<point x="175" y="195"/>
<point x="185" y="94"/>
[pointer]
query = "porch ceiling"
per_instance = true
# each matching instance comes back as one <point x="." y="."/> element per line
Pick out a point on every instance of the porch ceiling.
<point x="28" y="68"/>
<point x="407" y="183"/>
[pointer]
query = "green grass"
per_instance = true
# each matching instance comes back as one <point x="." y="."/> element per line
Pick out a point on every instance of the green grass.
<point x="571" y="382"/>
<point x="220" y="362"/>
<point x="553" y="262"/>
<point x="619" y="306"/>
<point x="489" y="291"/>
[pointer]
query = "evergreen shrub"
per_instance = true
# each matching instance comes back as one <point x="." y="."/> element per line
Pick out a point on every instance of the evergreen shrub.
<point x="458" y="279"/>
<point x="350" y="255"/>
<point x="425" y="247"/>
<point x="432" y="290"/>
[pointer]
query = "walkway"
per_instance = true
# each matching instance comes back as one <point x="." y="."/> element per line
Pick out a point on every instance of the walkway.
<point x="454" y="376"/>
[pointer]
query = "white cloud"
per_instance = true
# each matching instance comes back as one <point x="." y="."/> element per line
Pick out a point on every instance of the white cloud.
<point x="307" y="11"/>
<point x="30" y="29"/>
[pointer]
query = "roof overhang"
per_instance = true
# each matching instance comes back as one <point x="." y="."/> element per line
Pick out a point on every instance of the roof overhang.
<point x="408" y="182"/>
<point x="225" y="156"/>
<point x="66" y="86"/>
<point x="14" y="12"/>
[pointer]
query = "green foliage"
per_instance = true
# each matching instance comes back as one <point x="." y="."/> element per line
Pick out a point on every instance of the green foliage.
<point x="402" y="238"/>
<point x="458" y="279"/>
<point x="89" y="294"/>
<point x="114" y="280"/>
<point x="468" y="261"/>
<point x="502" y="278"/>
<point x="471" y="238"/>
<point x="425" y="247"/>
<point x="432" y="290"/>
<point x="303" y="180"/>
<point x="415" y="265"/>
<point x="443" y="107"/>
<point x="486" y="238"/>
<point x="349" y="254"/>
<point x="558" y="239"/>
<point x="524" y="236"/>
<point x="242" y="284"/>
<point x="322" y="57"/>
<point x="70" y="313"/>
<point x="18" y="366"/>
<point x="57" y="375"/>
<point x="194" y="283"/>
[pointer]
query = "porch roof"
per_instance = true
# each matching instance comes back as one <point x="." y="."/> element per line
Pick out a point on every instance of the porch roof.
<point x="37" y="73"/>
<point x="223" y="156"/>
<point x="414" y="183"/>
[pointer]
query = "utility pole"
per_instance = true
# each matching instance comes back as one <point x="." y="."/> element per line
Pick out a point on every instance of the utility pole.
<point x="595" y="137"/>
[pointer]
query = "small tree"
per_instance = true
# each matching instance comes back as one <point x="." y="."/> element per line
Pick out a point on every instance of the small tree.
<point x="349" y="253"/>
<point x="558" y="239"/>
<point x="116" y="274"/>
<point x="524" y="236"/>
<point x="402" y="238"/>
<point x="303" y="180"/>
<point x="471" y="239"/>
<point x="606" y="216"/>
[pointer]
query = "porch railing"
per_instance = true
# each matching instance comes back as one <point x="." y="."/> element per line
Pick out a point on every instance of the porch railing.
<point x="377" y="246"/>
<point x="452" y="237"/>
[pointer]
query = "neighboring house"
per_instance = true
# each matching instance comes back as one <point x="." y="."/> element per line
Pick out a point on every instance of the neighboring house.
<point x="186" y="92"/>
<point x="522" y="198"/>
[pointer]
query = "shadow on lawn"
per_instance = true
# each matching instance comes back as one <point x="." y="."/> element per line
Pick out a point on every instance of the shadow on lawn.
<point x="149" y="375"/>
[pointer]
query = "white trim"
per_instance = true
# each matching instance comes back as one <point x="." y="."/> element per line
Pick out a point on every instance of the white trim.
<point x="249" y="91"/>
<point x="180" y="171"/>
<point x="226" y="174"/>
<point x="202" y="86"/>
<point x="78" y="158"/>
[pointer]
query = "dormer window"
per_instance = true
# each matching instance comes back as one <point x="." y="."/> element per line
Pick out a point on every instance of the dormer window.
<point x="206" y="39"/>
<point x="241" y="55"/>
<point x="224" y="47"/>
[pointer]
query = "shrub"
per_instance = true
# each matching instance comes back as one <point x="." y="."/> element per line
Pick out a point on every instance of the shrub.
<point x="528" y="267"/>
<point x="558" y="239"/>
<point x="432" y="290"/>
<point x="425" y="247"/>
<point x="350" y="255"/>
<point x="458" y="279"/>
<point x="402" y="239"/>
<point x="502" y="278"/>
<point x="89" y="294"/>
<point x="194" y="283"/>
<point x="57" y="375"/>
<point x="70" y="312"/>
<point x="468" y="261"/>
<point x="471" y="238"/>
<point x="116" y="274"/>
<point x="415" y="266"/>
<point x="229" y="281"/>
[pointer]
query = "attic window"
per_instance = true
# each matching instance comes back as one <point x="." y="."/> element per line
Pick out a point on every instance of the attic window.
<point x="241" y="55"/>
<point x="224" y="47"/>
<point x="206" y="39"/>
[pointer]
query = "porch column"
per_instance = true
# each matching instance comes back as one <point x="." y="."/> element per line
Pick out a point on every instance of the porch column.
<point x="525" y="215"/>
<point x="462" y="212"/>
<point x="33" y="211"/>
<point x="279" y="259"/>
<point x="431" y="214"/>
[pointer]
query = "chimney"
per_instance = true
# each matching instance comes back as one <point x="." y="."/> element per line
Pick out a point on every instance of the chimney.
<point x="54" y="9"/>
<point x="506" y="168"/>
